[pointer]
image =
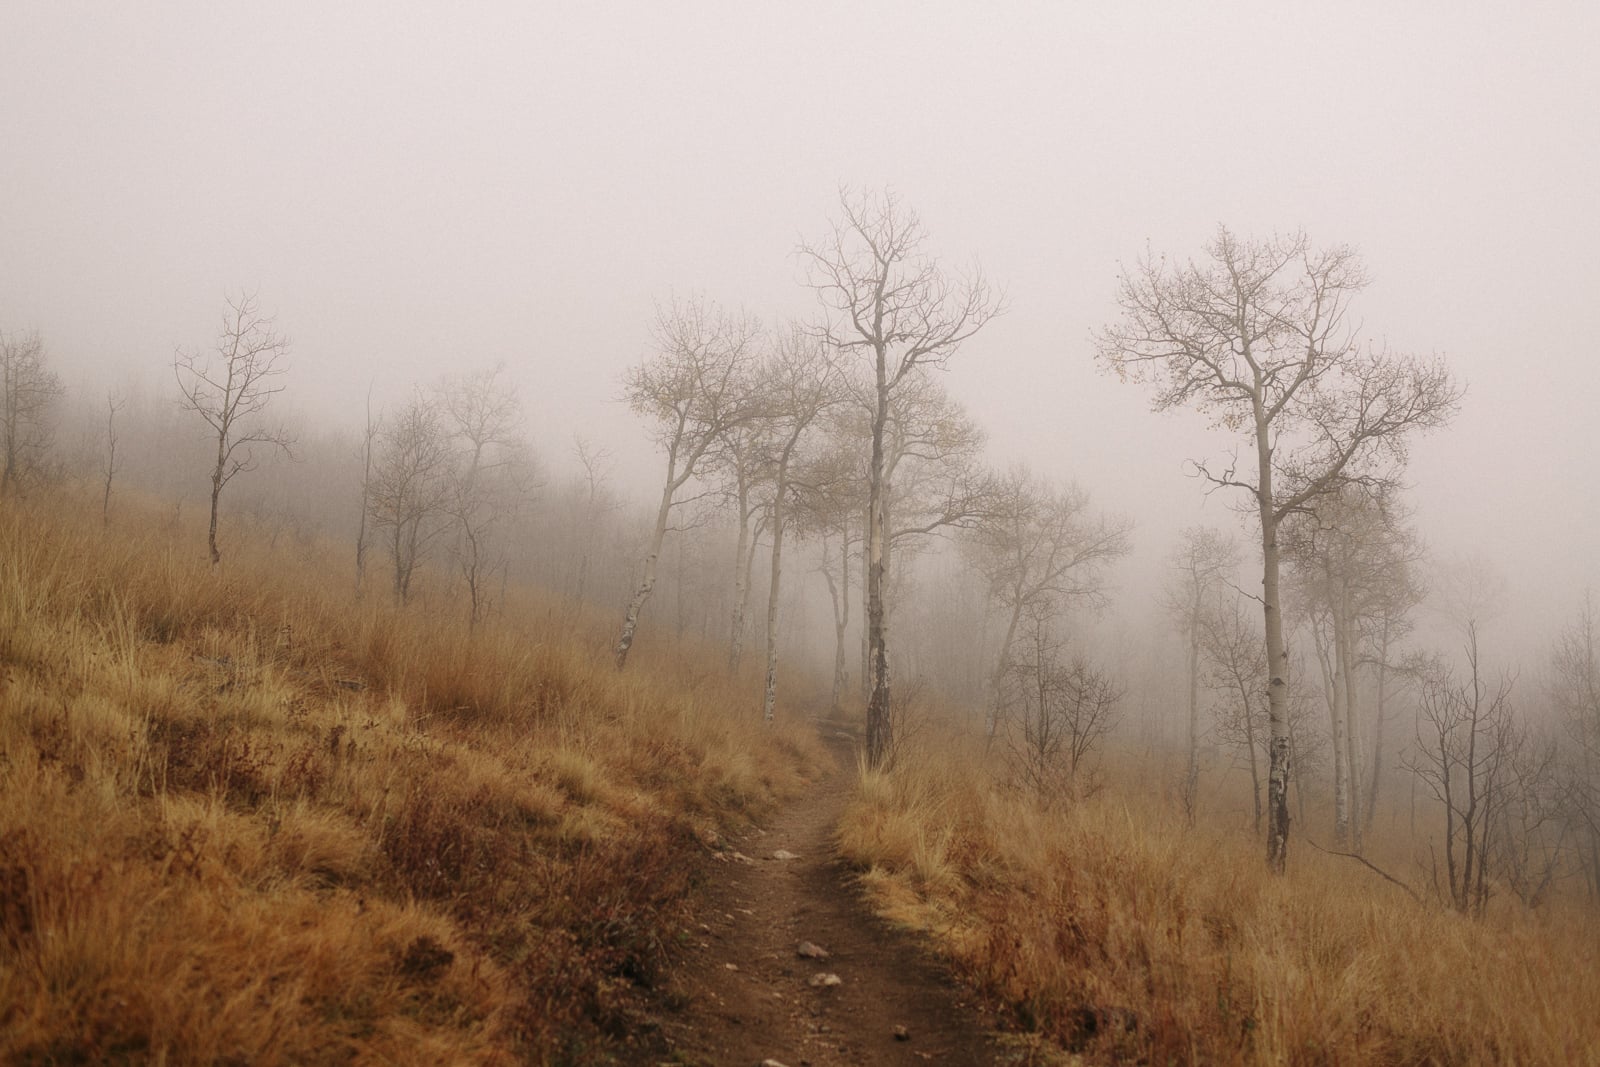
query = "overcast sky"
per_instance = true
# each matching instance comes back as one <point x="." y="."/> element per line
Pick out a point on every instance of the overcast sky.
<point x="415" y="188"/>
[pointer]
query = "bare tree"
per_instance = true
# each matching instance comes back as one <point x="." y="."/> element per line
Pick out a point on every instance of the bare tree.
<point x="229" y="388"/>
<point x="1235" y="672"/>
<point x="740" y="457"/>
<point x="1466" y="735"/>
<point x="693" y="392"/>
<point x="891" y="302"/>
<point x="1039" y="547"/>
<point x="1260" y="337"/>
<point x="831" y="490"/>
<point x="109" y="465"/>
<point x="28" y="390"/>
<point x="1062" y="708"/>
<point x="801" y="383"/>
<point x="410" y="491"/>
<point x="595" y="501"/>
<point x="934" y="481"/>
<point x="493" y="473"/>
<point x="1353" y="561"/>
<point x="369" y="437"/>
<point x="1575" y="692"/>
<point x="1529" y="845"/>
<point x="1200" y="569"/>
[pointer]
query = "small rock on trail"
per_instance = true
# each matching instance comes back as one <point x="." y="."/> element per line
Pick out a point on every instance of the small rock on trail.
<point x="810" y="951"/>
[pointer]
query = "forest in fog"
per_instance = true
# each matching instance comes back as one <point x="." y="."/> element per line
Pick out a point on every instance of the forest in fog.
<point x="1115" y="484"/>
<point x="828" y="508"/>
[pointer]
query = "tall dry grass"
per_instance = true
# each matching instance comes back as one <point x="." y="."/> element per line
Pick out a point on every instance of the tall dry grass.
<point x="1111" y="931"/>
<point x="245" y="818"/>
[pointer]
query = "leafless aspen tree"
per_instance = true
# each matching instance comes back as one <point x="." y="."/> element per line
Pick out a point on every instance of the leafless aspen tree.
<point x="830" y="492"/>
<point x="693" y="392"/>
<point x="1466" y="735"/>
<point x="28" y="389"/>
<point x="595" y="501"/>
<point x="801" y="383"/>
<point x="229" y="388"/>
<point x="410" y="490"/>
<point x="740" y="458"/>
<point x="1259" y="336"/>
<point x="888" y="301"/>
<point x="1038" y="547"/>
<point x="934" y="480"/>
<point x="1200" y="568"/>
<point x="1352" y="559"/>
<point x="1236" y="671"/>
<point x="493" y="473"/>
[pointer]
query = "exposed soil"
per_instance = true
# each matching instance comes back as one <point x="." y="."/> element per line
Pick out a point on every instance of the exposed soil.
<point x="744" y="992"/>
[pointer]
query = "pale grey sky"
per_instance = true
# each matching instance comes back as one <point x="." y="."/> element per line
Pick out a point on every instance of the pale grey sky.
<point x="419" y="187"/>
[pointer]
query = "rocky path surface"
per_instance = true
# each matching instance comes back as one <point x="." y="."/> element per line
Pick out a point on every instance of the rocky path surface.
<point x="753" y="991"/>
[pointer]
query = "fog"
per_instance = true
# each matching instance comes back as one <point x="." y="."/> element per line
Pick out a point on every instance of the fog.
<point x="413" y="190"/>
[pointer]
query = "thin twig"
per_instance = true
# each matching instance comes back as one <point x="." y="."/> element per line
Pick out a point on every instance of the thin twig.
<point x="1368" y="863"/>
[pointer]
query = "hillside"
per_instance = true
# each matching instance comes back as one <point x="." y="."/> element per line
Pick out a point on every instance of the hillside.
<point x="247" y="817"/>
<point x="1106" y="926"/>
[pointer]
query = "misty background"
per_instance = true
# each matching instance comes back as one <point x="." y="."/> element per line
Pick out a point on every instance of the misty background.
<point x="413" y="190"/>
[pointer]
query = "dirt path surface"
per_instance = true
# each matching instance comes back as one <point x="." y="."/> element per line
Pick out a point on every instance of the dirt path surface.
<point x="750" y="997"/>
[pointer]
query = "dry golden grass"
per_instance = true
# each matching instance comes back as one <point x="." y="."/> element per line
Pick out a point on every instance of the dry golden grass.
<point x="245" y="818"/>
<point x="1120" y="935"/>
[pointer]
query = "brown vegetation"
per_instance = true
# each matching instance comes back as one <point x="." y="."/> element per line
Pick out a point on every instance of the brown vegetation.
<point x="245" y="818"/>
<point x="1110" y="928"/>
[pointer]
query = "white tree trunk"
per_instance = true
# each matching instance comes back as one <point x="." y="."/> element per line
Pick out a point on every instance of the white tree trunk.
<point x="879" y="739"/>
<point x="1347" y="668"/>
<point x="647" y="584"/>
<point x="770" y="699"/>
<point x="1277" y="654"/>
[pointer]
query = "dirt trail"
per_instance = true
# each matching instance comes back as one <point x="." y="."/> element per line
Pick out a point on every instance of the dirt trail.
<point x="746" y="992"/>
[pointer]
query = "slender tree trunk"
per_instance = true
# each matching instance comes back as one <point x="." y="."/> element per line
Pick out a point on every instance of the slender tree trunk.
<point x="9" y="476"/>
<point x="1347" y="667"/>
<point x="366" y="496"/>
<point x="1191" y="774"/>
<point x="361" y="539"/>
<point x="211" y="534"/>
<point x="1255" y="766"/>
<point x="1333" y="674"/>
<point x="398" y="550"/>
<point x="770" y="701"/>
<point x="743" y="555"/>
<point x="111" y="459"/>
<point x="1277" y="656"/>
<point x="997" y="680"/>
<point x="879" y="738"/>
<point x="1369" y="813"/>
<point x="840" y="599"/>
<point x="647" y="584"/>
<point x="865" y="683"/>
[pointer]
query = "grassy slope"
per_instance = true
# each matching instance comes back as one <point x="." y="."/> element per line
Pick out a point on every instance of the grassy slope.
<point x="1115" y="932"/>
<point x="245" y="818"/>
